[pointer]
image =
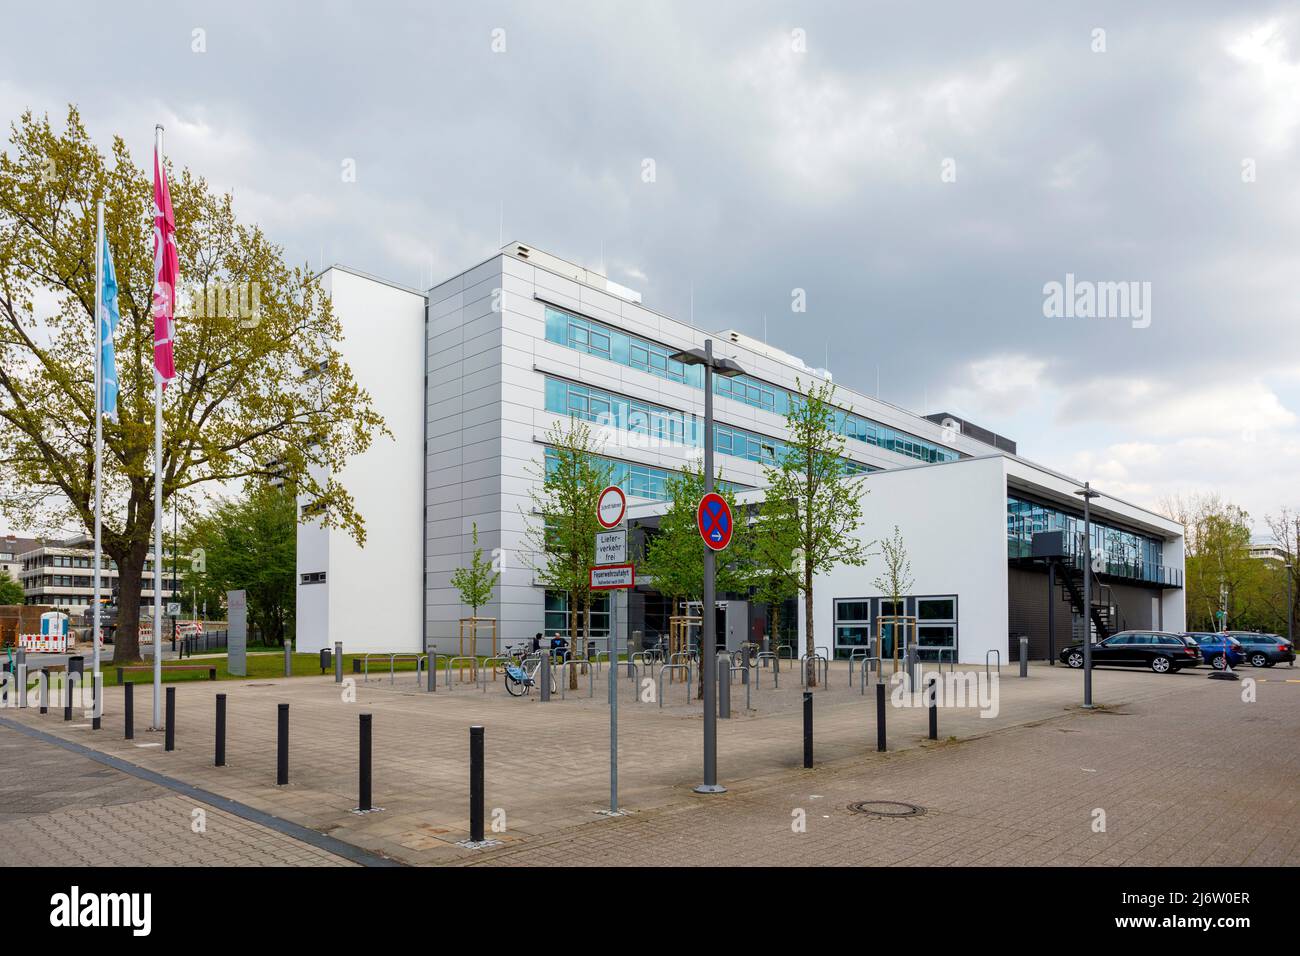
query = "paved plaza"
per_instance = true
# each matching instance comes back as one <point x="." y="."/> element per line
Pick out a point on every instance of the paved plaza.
<point x="1021" y="787"/>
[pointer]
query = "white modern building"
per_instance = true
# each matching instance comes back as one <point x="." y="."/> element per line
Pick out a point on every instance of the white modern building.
<point x="471" y="374"/>
<point x="370" y="597"/>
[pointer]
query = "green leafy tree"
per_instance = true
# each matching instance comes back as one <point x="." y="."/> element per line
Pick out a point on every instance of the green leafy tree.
<point x="11" y="592"/>
<point x="1220" y="573"/>
<point x="771" y="543"/>
<point x="475" y="583"/>
<point x="249" y="544"/>
<point x="562" y="527"/>
<point x="824" y="499"/>
<point x="674" y="555"/>
<point x="242" y="397"/>
<point x="1285" y="529"/>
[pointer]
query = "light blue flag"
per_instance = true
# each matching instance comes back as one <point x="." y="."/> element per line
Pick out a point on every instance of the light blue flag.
<point x="108" y="319"/>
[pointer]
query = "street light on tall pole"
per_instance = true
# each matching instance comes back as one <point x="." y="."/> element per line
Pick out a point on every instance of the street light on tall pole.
<point x="1087" y="494"/>
<point x="709" y="652"/>
<point x="1290" y="608"/>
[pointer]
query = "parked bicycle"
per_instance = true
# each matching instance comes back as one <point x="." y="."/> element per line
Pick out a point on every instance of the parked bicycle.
<point x="519" y="677"/>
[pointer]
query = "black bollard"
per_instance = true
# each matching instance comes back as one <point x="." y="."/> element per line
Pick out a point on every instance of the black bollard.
<point x="364" y="802"/>
<point x="933" y="705"/>
<point x="807" y="730"/>
<point x="476" y="784"/>
<point x="67" y="698"/>
<point x="45" y="690"/>
<point x="171" y="719"/>
<point x="128" y="708"/>
<point x="219" y="760"/>
<point x="282" y="746"/>
<point x="880" y="716"/>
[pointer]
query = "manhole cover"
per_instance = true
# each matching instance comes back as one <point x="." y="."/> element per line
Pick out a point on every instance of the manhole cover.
<point x="887" y="808"/>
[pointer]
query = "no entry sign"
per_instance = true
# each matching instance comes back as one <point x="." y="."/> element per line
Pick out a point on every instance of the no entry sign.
<point x="714" y="520"/>
<point x="611" y="506"/>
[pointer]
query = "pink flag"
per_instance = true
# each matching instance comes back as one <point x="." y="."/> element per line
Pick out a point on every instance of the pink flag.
<point x="166" y="268"/>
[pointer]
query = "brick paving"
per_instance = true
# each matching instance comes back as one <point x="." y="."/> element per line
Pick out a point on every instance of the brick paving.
<point x="63" y="809"/>
<point x="1195" y="779"/>
<point x="1016" y="788"/>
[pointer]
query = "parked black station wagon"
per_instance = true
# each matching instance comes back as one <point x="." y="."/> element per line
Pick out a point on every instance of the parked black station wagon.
<point x="1162" y="651"/>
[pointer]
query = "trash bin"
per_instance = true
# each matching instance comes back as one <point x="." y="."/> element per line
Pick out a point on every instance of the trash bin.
<point x="326" y="659"/>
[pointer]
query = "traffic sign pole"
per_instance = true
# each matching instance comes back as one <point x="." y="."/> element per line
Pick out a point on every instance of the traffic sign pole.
<point x="612" y="574"/>
<point x="709" y="652"/>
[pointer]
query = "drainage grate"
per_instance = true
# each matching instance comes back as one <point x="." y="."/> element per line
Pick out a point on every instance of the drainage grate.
<point x="887" y="808"/>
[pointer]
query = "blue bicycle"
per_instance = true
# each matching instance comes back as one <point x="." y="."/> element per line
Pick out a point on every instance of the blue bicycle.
<point x="519" y="679"/>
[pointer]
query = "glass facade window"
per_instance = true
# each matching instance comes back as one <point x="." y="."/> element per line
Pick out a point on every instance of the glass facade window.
<point x="1127" y="554"/>
<point x="658" y="425"/>
<point x="594" y="338"/>
<point x="639" y="481"/>
<point x="936" y="628"/>
<point x="852" y="625"/>
<point x="557" y="620"/>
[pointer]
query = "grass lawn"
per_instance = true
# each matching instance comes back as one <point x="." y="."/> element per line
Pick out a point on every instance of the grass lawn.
<point x="260" y="667"/>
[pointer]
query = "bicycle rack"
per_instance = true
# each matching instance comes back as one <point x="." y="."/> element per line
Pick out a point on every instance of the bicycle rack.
<point x="862" y="672"/>
<point x="572" y="661"/>
<point x="785" y="647"/>
<point x="433" y="663"/>
<point x="817" y="659"/>
<point x="952" y="663"/>
<point x="532" y="667"/>
<point x="992" y="650"/>
<point x="858" y="655"/>
<point x="686" y="661"/>
<point x="493" y="663"/>
<point x="392" y="659"/>
<point x="674" y="667"/>
<point x="764" y="657"/>
<point x="473" y="662"/>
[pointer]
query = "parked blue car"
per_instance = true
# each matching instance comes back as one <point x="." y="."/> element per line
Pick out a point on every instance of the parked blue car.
<point x="1265" y="650"/>
<point x="1215" y="647"/>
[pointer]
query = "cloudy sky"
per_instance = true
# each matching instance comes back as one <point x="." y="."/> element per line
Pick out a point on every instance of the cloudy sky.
<point x="920" y="170"/>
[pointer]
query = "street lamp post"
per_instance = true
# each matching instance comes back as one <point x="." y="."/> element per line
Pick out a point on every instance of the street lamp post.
<point x="1290" y="608"/>
<point x="1087" y="494"/>
<point x="709" y="651"/>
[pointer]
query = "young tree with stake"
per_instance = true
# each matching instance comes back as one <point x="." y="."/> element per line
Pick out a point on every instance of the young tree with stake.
<point x="475" y="583"/>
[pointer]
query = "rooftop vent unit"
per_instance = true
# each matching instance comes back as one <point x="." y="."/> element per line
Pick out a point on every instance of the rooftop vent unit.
<point x="570" y="270"/>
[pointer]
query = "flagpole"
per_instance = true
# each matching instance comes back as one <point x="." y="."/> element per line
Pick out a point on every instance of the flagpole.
<point x="97" y="704"/>
<point x="157" y="512"/>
